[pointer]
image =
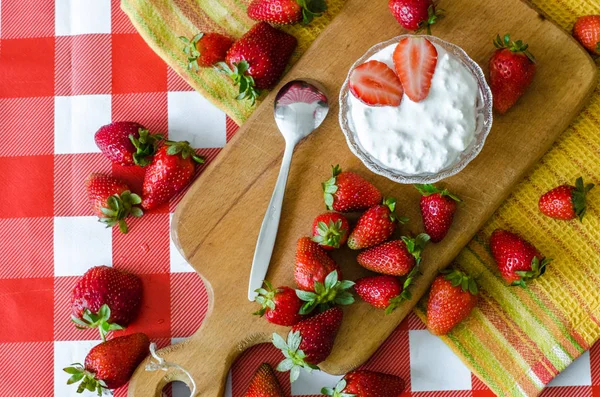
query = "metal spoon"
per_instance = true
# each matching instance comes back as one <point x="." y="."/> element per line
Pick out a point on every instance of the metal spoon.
<point x="300" y="108"/>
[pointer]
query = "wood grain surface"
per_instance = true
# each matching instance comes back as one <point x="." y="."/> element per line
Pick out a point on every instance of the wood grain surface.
<point x="217" y="223"/>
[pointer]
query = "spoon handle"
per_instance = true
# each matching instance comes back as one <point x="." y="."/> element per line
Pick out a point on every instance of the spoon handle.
<point x="268" y="229"/>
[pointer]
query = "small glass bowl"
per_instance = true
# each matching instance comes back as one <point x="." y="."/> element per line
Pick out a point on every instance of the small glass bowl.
<point x="482" y="127"/>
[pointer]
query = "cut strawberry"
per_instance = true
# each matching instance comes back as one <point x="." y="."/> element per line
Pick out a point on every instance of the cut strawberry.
<point x="415" y="59"/>
<point x="374" y="83"/>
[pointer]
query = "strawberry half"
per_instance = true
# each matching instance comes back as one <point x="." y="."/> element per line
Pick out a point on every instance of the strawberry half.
<point x="326" y="294"/>
<point x="205" y="49"/>
<point x="566" y="202"/>
<point x="437" y="209"/>
<point x="330" y="230"/>
<point x="349" y="192"/>
<point x="375" y="226"/>
<point x="312" y="265"/>
<point x="395" y="258"/>
<point x="279" y="305"/>
<point x="363" y="383"/>
<point x="285" y="12"/>
<point x="375" y="84"/>
<point x="415" y="59"/>
<point x="264" y="383"/>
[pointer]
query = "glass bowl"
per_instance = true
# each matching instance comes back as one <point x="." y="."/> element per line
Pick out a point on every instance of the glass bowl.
<point x="482" y="128"/>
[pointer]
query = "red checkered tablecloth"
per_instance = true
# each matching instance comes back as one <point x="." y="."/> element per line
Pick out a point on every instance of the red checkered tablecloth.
<point x="66" y="68"/>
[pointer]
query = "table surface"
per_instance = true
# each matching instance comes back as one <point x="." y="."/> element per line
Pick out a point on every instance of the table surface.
<point x="66" y="68"/>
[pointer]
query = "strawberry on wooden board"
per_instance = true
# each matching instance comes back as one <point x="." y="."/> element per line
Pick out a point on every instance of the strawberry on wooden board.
<point x="384" y="292"/>
<point x="312" y="265"/>
<point x="415" y="59"/>
<point x="512" y="69"/>
<point x="415" y="15"/>
<point x="363" y="383"/>
<point x="285" y="12"/>
<point x="264" y="383"/>
<point x="349" y="192"/>
<point x="258" y="59"/>
<point x="110" y="364"/>
<point x="518" y="261"/>
<point x="106" y="298"/>
<point x="309" y="342"/>
<point x="395" y="258"/>
<point x="279" y="305"/>
<point x="112" y="201"/>
<point x="127" y="143"/>
<point x="566" y="202"/>
<point x="437" y="209"/>
<point x="587" y="31"/>
<point x="452" y="297"/>
<point x="375" y="226"/>
<point x="171" y="170"/>
<point x="331" y="292"/>
<point x="330" y="230"/>
<point x="206" y="49"/>
<point x="375" y="84"/>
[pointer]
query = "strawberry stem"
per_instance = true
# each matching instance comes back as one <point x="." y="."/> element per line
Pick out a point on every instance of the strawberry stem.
<point x="191" y="50"/>
<point x="330" y="187"/>
<point x="578" y="197"/>
<point x="326" y="294"/>
<point x="405" y="295"/>
<point x="456" y="278"/>
<point x="146" y="145"/>
<point x="329" y="234"/>
<point x="433" y="14"/>
<point x="537" y="269"/>
<point x="311" y="9"/>
<point x="118" y="207"/>
<point x="429" y="189"/>
<point x="97" y="320"/>
<point x="238" y="73"/>
<point x="266" y="298"/>
<point x="518" y="47"/>
<point x="87" y="378"/>
<point x="294" y="357"/>
<point x="184" y="149"/>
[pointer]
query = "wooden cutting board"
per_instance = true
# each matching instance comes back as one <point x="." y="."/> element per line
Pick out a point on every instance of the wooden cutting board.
<point x="217" y="223"/>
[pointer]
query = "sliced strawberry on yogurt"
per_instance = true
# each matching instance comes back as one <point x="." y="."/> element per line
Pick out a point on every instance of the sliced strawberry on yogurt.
<point x="376" y="84"/>
<point x="415" y="59"/>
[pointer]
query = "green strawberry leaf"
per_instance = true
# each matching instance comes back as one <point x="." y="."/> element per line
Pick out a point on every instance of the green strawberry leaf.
<point x="325" y="295"/>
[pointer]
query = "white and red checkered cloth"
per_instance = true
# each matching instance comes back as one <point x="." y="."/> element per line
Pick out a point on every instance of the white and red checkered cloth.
<point x="66" y="68"/>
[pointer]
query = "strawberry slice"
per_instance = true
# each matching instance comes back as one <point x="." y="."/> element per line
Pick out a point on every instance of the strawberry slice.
<point x="375" y="84"/>
<point x="415" y="59"/>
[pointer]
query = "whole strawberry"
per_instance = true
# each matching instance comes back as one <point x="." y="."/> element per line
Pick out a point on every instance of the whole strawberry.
<point x="512" y="68"/>
<point x="349" y="192"/>
<point x="518" y="260"/>
<point x="171" y="170"/>
<point x="331" y="292"/>
<point x="279" y="305"/>
<point x="309" y="342"/>
<point x="127" y="143"/>
<point x="330" y="230"/>
<point x="106" y="298"/>
<point x="258" y="59"/>
<point x="375" y="226"/>
<point x="395" y="258"/>
<point x="383" y="292"/>
<point x="587" y="32"/>
<point x="264" y="383"/>
<point x="452" y="297"/>
<point x="110" y="364"/>
<point x="312" y="264"/>
<point x="566" y="202"/>
<point x="112" y="201"/>
<point x="415" y="14"/>
<point x="437" y="209"/>
<point x="285" y="12"/>
<point x="206" y="49"/>
<point x="363" y="383"/>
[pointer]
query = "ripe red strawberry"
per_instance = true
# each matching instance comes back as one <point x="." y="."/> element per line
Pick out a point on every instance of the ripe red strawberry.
<point x="206" y="49"/>
<point x="452" y="297"/>
<point x="349" y="192"/>
<point x="415" y="59"/>
<point x="512" y="68"/>
<point x="566" y="202"/>
<point x="383" y="292"/>
<point x="171" y="170"/>
<point x="258" y="59"/>
<point x="363" y="383"/>
<point x="106" y="298"/>
<point x="330" y="230"/>
<point x="127" y="143"/>
<point x="375" y="84"/>
<point x="518" y="260"/>
<point x="280" y="306"/>
<point x="264" y="383"/>
<point x="110" y="364"/>
<point x="285" y="12"/>
<point x="375" y="226"/>
<point x="312" y="264"/>
<point x="112" y="201"/>
<point x="395" y="258"/>
<point x="309" y="342"/>
<point x="437" y="209"/>
<point x="587" y="32"/>
<point x="415" y="14"/>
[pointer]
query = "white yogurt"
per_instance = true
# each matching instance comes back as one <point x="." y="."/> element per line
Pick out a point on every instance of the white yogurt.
<point x="421" y="137"/>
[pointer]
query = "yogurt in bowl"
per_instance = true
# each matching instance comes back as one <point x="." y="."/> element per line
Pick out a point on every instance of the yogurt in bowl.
<point x="427" y="140"/>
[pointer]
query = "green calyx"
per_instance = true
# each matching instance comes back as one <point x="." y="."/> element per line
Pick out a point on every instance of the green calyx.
<point x="327" y="294"/>
<point x="330" y="187"/>
<point x="191" y="50"/>
<point x="311" y="9"/>
<point x="518" y="47"/>
<point x="458" y="278"/>
<point x="120" y="206"/>
<point x="391" y="204"/>
<point x="266" y="298"/>
<point x="87" y="378"/>
<point x="433" y="15"/>
<point x="146" y="145"/>
<point x="294" y="357"/>
<point x="96" y="320"/>
<point x="428" y="190"/>
<point x="416" y="245"/>
<point x="183" y="149"/>
<point x="537" y="269"/>
<point x="237" y="72"/>
<point x="405" y="295"/>
<point x="578" y="197"/>
<point x="338" y="391"/>
<point x="329" y="234"/>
